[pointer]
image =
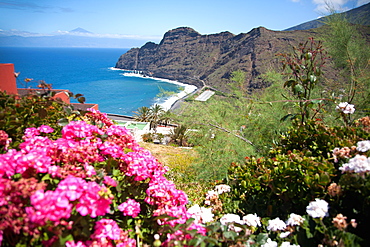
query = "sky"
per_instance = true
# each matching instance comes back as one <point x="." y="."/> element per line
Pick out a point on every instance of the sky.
<point x="150" y="19"/>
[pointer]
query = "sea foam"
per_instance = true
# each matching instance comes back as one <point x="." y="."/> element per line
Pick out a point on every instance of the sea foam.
<point x="166" y="102"/>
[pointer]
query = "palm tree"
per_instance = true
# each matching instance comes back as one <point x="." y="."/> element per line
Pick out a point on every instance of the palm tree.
<point x="179" y="135"/>
<point x="155" y="116"/>
<point x="143" y="114"/>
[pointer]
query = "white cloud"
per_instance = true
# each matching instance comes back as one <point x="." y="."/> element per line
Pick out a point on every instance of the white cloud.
<point x="15" y="32"/>
<point x="112" y="36"/>
<point x="326" y="6"/>
<point x="362" y="2"/>
<point x="295" y="1"/>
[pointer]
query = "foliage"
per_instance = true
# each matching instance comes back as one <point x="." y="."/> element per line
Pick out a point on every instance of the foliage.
<point x="179" y="136"/>
<point x="255" y="118"/>
<point x="151" y="137"/>
<point x="304" y="69"/>
<point x="155" y="115"/>
<point x="274" y="186"/>
<point x="147" y="137"/>
<point x="304" y="167"/>
<point x="181" y="172"/>
<point x="351" y="53"/>
<point x="18" y="113"/>
<point x="317" y="139"/>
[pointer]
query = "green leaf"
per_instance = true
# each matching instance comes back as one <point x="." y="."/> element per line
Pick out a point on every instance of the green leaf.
<point x="290" y="83"/>
<point x="316" y="101"/>
<point x="230" y="235"/>
<point x="262" y="238"/>
<point x="81" y="100"/>
<point x="297" y="89"/>
<point x="292" y="116"/>
<point x="324" y="178"/>
<point x="78" y="95"/>
<point x="313" y="78"/>
<point x="63" y="122"/>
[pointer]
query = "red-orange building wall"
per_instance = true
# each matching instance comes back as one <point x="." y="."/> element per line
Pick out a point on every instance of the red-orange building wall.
<point x="7" y="78"/>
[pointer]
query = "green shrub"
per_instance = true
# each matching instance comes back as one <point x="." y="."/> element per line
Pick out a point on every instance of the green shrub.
<point x="300" y="169"/>
<point x="314" y="138"/>
<point x="148" y="137"/>
<point x="280" y="185"/>
<point x="18" y="113"/>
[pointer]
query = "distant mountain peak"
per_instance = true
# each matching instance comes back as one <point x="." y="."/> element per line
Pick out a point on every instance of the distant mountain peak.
<point x="79" y="30"/>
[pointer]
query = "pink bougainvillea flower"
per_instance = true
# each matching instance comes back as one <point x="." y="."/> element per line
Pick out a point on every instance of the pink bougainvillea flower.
<point x="72" y="187"/>
<point x="130" y="208"/>
<point x="79" y="129"/>
<point x="91" y="202"/>
<point x="110" y="181"/>
<point x="107" y="228"/>
<point x="111" y="149"/>
<point x="73" y="244"/>
<point x="45" y="129"/>
<point x="31" y="132"/>
<point x="142" y="165"/>
<point x="99" y="117"/>
<point x="48" y="206"/>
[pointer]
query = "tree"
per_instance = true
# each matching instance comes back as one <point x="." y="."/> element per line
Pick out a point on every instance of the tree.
<point x="351" y="53"/>
<point x="156" y="112"/>
<point x="143" y="114"/>
<point x="153" y="115"/>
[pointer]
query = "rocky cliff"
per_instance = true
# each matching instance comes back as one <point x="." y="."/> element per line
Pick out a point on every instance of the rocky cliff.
<point x="187" y="56"/>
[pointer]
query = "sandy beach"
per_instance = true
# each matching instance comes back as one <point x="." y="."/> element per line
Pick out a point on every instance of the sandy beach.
<point x="172" y="102"/>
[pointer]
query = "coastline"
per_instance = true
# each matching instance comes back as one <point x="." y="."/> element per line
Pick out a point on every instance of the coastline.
<point x="171" y="102"/>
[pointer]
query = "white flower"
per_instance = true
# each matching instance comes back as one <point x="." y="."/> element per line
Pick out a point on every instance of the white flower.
<point x="287" y="244"/>
<point x="358" y="164"/>
<point x="252" y="220"/>
<point x="276" y="225"/>
<point x="363" y="146"/>
<point x="221" y="188"/>
<point x="229" y="219"/>
<point x="318" y="208"/>
<point x="284" y="234"/>
<point x="294" y="220"/>
<point x="346" y="108"/>
<point x="207" y="215"/>
<point x="201" y="214"/>
<point x="211" y="194"/>
<point x="195" y="212"/>
<point x="270" y="243"/>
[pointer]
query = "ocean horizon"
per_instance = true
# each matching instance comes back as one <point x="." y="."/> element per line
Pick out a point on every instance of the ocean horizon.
<point x="91" y="72"/>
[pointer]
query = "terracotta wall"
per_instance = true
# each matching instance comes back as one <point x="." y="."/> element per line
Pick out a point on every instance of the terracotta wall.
<point x="7" y="78"/>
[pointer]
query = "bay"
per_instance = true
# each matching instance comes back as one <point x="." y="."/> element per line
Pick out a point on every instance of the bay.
<point x="88" y="71"/>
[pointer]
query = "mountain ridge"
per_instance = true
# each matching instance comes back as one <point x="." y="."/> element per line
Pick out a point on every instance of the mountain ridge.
<point x="187" y="56"/>
<point x="359" y="15"/>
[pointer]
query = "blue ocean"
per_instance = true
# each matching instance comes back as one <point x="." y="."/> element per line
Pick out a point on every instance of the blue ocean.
<point x="88" y="71"/>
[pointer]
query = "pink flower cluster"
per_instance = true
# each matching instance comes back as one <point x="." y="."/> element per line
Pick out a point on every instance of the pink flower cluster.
<point x="142" y="165"/>
<point x="99" y="117"/>
<point x="130" y="207"/>
<point x="106" y="230"/>
<point x="71" y="193"/>
<point x="72" y="163"/>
